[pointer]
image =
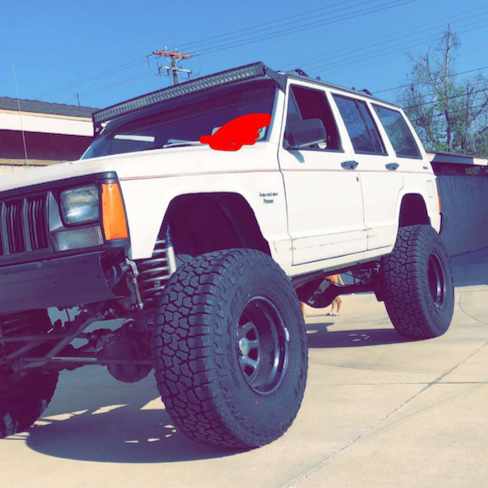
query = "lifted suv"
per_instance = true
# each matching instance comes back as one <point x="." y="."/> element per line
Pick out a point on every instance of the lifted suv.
<point x="206" y="254"/>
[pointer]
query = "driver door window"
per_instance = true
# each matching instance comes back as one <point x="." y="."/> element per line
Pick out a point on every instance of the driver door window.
<point x="306" y="104"/>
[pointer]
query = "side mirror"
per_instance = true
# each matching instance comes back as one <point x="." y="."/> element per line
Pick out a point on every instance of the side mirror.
<point x="304" y="133"/>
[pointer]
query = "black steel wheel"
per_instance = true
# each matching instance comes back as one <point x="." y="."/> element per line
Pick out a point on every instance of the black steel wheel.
<point x="262" y="345"/>
<point x="417" y="283"/>
<point x="230" y="349"/>
<point x="437" y="280"/>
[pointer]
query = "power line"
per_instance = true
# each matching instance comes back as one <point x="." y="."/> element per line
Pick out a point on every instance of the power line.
<point x="174" y="70"/>
<point x="114" y="84"/>
<point x="440" y="100"/>
<point x="482" y="68"/>
<point x="94" y="77"/>
<point x="483" y="105"/>
<point x="380" y="41"/>
<point x="285" y="32"/>
<point x="203" y="41"/>
<point x="386" y="51"/>
<point x="329" y="10"/>
<point x="312" y="25"/>
<point x="378" y="53"/>
<point x="139" y="61"/>
<point x="424" y="40"/>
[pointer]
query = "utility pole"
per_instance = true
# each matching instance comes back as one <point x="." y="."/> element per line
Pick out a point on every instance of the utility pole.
<point x="174" y="57"/>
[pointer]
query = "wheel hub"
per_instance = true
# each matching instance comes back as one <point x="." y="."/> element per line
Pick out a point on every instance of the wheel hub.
<point x="262" y="346"/>
<point x="244" y="346"/>
<point x="437" y="282"/>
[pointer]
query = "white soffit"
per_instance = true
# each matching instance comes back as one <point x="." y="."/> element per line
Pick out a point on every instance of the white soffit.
<point x="51" y="124"/>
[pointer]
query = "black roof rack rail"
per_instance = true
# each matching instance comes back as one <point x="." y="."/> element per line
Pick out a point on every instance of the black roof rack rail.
<point x="298" y="72"/>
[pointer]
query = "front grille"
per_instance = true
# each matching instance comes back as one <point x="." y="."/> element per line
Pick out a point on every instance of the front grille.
<point x="14" y="226"/>
<point x="37" y="222"/>
<point x="24" y="225"/>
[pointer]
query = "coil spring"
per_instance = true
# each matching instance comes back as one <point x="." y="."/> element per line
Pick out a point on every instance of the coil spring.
<point x="18" y="324"/>
<point x="155" y="272"/>
<point x="15" y="324"/>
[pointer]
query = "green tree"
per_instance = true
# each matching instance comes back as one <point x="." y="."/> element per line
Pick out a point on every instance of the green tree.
<point x="449" y="113"/>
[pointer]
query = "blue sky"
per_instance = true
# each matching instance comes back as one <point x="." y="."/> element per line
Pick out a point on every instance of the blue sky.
<point x="360" y="43"/>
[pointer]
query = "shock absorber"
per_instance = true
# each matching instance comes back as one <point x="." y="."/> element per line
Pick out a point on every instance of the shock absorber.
<point x="155" y="272"/>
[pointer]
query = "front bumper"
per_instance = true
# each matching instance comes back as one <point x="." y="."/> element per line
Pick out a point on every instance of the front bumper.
<point x="61" y="282"/>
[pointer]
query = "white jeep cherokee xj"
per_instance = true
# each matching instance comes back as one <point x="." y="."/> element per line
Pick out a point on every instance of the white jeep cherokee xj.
<point x="206" y="254"/>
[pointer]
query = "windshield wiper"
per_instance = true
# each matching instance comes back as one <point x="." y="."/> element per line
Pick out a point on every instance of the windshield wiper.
<point x="180" y="143"/>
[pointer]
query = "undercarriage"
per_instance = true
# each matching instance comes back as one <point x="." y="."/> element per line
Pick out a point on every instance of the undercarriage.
<point x="122" y="350"/>
<point x="125" y="349"/>
<point x="319" y="291"/>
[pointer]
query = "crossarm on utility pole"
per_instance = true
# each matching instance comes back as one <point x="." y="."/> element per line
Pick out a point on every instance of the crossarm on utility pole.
<point x="174" y="58"/>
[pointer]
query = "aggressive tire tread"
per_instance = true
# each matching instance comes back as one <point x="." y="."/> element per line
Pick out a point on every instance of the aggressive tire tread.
<point x="190" y="362"/>
<point x="17" y="416"/>
<point x="22" y="403"/>
<point x="405" y="287"/>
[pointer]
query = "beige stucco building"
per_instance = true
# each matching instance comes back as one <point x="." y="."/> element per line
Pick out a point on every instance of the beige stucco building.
<point x="53" y="133"/>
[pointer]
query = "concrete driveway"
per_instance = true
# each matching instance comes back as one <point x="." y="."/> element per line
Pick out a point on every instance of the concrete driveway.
<point x="379" y="411"/>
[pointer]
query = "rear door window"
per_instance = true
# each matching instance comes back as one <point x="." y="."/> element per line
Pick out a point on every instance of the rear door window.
<point x="360" y="126"/>
<point x="400" y="135"/>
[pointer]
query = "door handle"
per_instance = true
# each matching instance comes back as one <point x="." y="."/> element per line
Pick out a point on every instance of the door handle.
<point x="392" y="166"/>
<point x="349" y="164"/>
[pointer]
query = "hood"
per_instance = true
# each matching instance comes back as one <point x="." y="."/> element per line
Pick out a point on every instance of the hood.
<point x="179" y="161"/>
<point x="56" y="172"/>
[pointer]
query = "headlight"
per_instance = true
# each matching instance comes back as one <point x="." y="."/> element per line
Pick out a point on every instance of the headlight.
<point x="80" y="205"/>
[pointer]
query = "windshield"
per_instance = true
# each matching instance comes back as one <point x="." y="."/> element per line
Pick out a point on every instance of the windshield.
<point x="182" y="122"/>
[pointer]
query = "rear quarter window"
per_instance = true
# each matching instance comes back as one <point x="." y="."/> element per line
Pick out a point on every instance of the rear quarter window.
<point x="398" y="132"/>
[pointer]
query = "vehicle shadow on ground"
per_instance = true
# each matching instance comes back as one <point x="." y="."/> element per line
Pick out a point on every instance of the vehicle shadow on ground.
<point x="320" y="337"/>
<point x="115" y="430"/>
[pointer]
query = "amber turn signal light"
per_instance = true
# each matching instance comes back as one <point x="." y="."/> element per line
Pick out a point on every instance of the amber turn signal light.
<point x="114" y="220"/>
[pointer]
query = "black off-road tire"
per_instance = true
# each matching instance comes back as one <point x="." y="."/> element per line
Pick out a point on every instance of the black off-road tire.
<point x="417" y="284"/>
<point x="199" y="358"/>
<point x="25" y="402"/>
<point x="24" y="399"/>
